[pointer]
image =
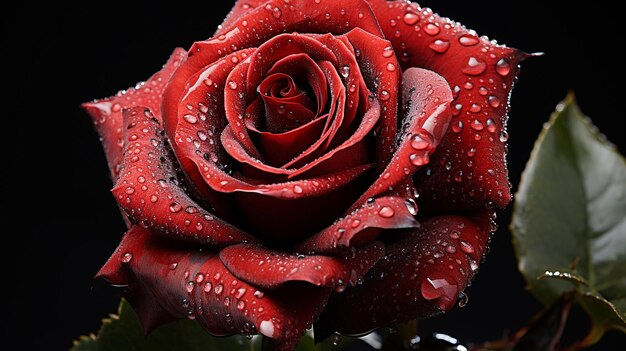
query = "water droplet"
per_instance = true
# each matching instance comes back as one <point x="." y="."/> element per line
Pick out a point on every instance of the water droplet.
<point x="185" y="303"/>
<point x="175" y="207"/>
<point x="471" y="152"/>
<point x="190" y="118"/>
<point x="450" y="249"/>
<point x="474" y="67"/>
<point x="431" y="29"/>
<point x="232" y="84"/>
<point x="258" y="294"/>
<point x="388" y="52"/>
<point x="386" y="212"/>
<point x="473" y="265"/>
<point x="439" y="46"/>
<point x="391" y="67"/>
<point x="241" y="305"/>
<point x="173" y="265"/>
<point x="297" y="189"/>
<point x="494" y="101"/>
<point x="276" y="13"/>
<point x="218" y="289"/>
<point x="345" y="71"/>
<point x="199" y="278"/>
<point x="154" y="198"/>
<point x="503" y="67"/>
<point x="411" y="206"/>
<point x="129" y="190"/>
<point x="477" y="125"/>
<point x="475" y="108"/>
<point x="468" y="40"/>
<point x="410" y="18"/>
<point x="191" y="209"/>
<point x="384" y="95"/>
<point x="455" y="234"/>
<point x="189" y="286"/>
<point x="463" y="299"/>
<point x="458" y="177"/>
<point x="457" y="127"/>
<point x="491" y="125"/>
<point x="127" y="257"/>
<point x="483" y="91"/>
<point x="467" y="247"/>
<point x="468" y="85"/>
<point x="448" y="166"/>
<point x="207" y="287"/>
<point x="336" y="339"/>
<point x="504" y="136"/>
<point x="418" y="143"/>
<point x="491" y="172"/>
<point x="355" y="223"/>
<point x="419" y="159"/>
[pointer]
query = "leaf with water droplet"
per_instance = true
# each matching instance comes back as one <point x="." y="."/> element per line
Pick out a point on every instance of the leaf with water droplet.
<point x="569" y="218"/>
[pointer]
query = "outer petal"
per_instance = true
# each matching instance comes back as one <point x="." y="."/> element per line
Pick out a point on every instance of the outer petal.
<point x="422" y="275"/>
<point x="151" y="192"/>
<point x="270" y="269"/>
<point x="168" y="281"/>
<point x="107" y="113"/>
<point x="481" y="74"/>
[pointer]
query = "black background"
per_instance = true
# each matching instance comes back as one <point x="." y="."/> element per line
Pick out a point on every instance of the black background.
<point x="61" y="222"/>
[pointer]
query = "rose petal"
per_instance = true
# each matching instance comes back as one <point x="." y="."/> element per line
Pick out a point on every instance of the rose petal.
<point x="362" y="225"/>
<point x="481" y="74"/>
<point x="426" y="101"/>
<point x="151" y="192"/>
<point x="421" y="275"/>
<point x="195" y="128"/>
<point x="270" y="269"/>
<point x="107" y="113"/>
<point x="168" y="281"/>
<point x="382" y="81"/>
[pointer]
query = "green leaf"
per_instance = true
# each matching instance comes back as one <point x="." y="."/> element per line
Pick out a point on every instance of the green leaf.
<point x="569" y="219"/>
<point x="124" y="332"/>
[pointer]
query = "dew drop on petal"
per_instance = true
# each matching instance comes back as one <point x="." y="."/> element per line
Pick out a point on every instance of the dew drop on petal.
<point x="384" y="95"/>
<point x="494" y="101"/>
<point x="431" y="29"/>
<point x="175" y="207"/>
<point x="127" y="257"/>
<point x="410" y="18"/>
<point x="190" y="118"/>
<point x="474" y="67"/>
<point x="477" y="125"/>
<point x="439" y="46"/>
<point x="468" y="40"/>
<point x="386" y="212"/>
<point x="466" y="247"/>
<point x="463" y="299"/>
<point x="411" y="206"/>
<point x="491" y="125"/>
<point x="457" y="127"/>
<point x="504" y="136"/>
<point x="388" y="52"/>
<point x="503" y="67"/>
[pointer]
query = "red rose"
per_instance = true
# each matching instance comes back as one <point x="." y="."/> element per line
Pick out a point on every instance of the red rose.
<point x="270" y="176"/>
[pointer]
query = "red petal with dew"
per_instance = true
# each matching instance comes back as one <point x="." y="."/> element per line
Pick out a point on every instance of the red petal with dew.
<point x="269" y="269"/>
<point x="422" y="274"/>
<point x="152" y="192"/>
<point x="481" y="75"/>
<point x="167" y="281"/>
<point x="107" y="113"/>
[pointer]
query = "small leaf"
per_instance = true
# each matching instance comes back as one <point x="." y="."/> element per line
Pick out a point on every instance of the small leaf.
<point x="570" y="218"/>
<point x="124" y="332"/>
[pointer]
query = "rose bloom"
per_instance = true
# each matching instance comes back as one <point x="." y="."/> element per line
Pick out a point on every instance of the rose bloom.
<point x="271" y="176"/>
